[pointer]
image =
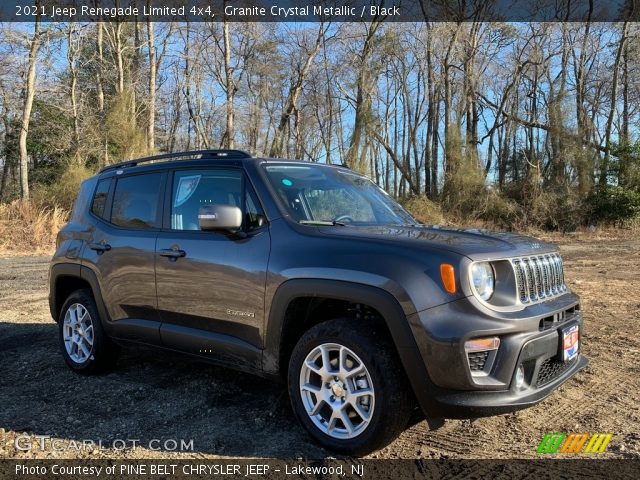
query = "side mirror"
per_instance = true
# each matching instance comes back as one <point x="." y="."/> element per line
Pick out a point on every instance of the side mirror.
<point x="219" y="217"/>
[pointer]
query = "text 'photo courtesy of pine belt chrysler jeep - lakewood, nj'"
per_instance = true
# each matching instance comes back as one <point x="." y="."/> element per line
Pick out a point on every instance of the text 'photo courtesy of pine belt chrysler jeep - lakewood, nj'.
<point x="311" y="274"/>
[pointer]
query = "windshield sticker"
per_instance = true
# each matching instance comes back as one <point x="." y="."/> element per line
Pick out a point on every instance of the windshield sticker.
<point x="287" y="182"/>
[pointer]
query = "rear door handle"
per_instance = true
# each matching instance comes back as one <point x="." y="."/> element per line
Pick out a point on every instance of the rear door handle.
<point x="100" y="247"/>
<point x="172" y="254"/>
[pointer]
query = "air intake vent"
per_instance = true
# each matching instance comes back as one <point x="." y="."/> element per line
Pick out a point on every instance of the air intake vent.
<point x="477" y="360"/>
<point x="551" y="369"/>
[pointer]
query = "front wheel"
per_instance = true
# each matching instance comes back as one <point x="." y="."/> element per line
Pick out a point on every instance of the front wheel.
<point x="348" y="388"/>
<point x="85" y="347"/>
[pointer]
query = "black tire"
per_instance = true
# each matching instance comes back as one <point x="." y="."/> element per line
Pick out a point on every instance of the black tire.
<point x="103" y="352"/>
<point x="393" y="399"/>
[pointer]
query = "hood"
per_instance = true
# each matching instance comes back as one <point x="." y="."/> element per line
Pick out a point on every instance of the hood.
<point x="477" y="244"/>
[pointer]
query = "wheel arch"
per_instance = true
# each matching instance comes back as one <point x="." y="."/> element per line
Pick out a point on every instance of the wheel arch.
<point x="394" y="317"/>
<point x="66" y="278"/>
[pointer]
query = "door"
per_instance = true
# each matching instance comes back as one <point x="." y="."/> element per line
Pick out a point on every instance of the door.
<point x="211" y="285"/>
<point x="121" y="251"/>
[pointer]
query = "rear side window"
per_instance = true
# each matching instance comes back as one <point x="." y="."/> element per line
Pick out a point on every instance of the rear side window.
<point x="100" y="198"/>
<point x="135" y="201"/>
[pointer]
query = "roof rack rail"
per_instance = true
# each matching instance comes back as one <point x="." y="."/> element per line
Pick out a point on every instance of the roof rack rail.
<point x="176" y="155"/>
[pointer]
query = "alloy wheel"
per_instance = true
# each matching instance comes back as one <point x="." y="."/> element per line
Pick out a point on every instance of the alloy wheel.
<point x="77" y="333"/>
<point x="337" y="391"/>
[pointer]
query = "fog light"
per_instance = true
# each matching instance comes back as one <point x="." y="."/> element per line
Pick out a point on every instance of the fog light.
<point x="520" y="377"/>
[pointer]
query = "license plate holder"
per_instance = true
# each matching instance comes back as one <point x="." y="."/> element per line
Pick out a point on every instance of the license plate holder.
<point x="569" y="342"/>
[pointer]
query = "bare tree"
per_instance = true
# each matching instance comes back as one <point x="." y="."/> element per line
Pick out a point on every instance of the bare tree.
<point x="604" y="169"/>
<point x="295" y="89"/>
<point x="230" y="87"/>
<point x="100" y="89"/>
<point x="153" y="69"/>
<point x="74" y="39"/>
<point x="362" y="101"/>
<point x="29" y="94"/>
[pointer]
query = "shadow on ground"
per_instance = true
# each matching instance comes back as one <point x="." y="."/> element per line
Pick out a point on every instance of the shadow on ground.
<point x="148" y="396"/>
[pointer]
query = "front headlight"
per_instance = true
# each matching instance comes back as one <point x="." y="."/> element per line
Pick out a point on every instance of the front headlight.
<point x="483" y="280"/>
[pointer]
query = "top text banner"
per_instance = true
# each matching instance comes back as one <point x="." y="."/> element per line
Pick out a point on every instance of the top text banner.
<point x="318" y="10"/>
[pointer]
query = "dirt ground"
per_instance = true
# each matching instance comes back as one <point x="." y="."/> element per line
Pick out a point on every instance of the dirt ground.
<point x="228" y="414"/>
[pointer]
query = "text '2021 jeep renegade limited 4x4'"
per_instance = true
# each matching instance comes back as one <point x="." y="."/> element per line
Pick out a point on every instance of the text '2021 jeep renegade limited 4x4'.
<point x="312" y="273"/>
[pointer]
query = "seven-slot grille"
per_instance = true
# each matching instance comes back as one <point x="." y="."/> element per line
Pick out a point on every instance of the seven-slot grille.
<point x="539" y="277"/>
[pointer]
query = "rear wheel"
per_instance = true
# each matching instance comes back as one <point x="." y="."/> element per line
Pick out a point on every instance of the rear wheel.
<point x="85" y="347"/>
<point x="347" y="387"/>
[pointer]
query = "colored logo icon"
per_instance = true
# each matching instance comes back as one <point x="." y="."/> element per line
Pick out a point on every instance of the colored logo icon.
<point x="556" y="442"/>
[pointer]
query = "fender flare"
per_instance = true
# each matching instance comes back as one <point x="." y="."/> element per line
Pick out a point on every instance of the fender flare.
<point x="60" y="270"/>
<point x="81" y="272"/>
<point x="381" y="300"/>
<point x="90" y="277"/>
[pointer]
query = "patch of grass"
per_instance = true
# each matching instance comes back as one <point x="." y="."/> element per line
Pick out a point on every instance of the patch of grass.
<point x="28" y="228"/>
<point x="424" y="210"/>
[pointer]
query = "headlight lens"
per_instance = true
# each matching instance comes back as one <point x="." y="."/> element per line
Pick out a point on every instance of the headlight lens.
<point x="483" y="279"/>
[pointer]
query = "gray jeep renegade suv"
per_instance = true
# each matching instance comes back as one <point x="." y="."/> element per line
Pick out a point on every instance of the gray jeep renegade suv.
<point x="312" y="273"/>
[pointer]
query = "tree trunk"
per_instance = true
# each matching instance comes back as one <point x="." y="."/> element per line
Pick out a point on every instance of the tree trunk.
<point x="117" y="46"/>
<point x="100" y="88"/>
<point x="604" y="170"/>
<point x="291" y="103"/>
<point x="450" y="157"/>
<point x="230" y="86"/>
<point x="363" y="99"/>
<point x="151" y="109"/>
<point x="72" y="52"/>
<point x="584" y="168"/>
<point x="472" y="116"/>
<point x="625" y="140"/>
<point x="6" y="170"/>
<point x="29" y="93"/>
<point x="194" y="115"/>
<point x="404" y="172"/>
<point x="434" y="148"/>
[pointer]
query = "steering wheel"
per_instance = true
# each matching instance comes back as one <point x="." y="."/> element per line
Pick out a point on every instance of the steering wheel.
<point x="342" y="218"/>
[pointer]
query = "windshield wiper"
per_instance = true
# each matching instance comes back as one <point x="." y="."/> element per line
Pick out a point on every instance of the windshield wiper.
<point x="331" y="223"/>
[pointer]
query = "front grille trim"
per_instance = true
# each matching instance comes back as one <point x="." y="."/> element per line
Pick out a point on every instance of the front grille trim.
<point x="538" y="277"/>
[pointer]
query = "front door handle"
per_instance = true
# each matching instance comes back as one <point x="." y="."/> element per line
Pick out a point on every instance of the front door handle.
<point x="100" y="247"/>
<point x="172" y="253"/>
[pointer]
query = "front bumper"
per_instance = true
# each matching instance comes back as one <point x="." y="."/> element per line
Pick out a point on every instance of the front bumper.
<point x="530" y="338"/>
<point x="474" y="404"/>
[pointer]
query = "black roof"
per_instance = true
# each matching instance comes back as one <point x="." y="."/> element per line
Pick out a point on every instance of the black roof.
<point x="200" y="154"/>
<point x="194" y="156"/>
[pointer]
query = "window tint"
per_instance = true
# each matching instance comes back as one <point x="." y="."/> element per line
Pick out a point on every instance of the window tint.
<point x="135" y="201"/>
<point x="194" y="188"/>
<point x="100" y="198"/>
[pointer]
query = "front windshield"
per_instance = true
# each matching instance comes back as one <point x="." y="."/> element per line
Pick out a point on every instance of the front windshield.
<point x="317" y="194"/>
